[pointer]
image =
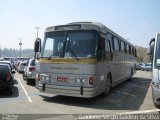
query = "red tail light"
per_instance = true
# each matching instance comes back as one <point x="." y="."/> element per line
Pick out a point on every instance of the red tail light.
<point x="8" y="77"/>
<point x="31" y="69"/>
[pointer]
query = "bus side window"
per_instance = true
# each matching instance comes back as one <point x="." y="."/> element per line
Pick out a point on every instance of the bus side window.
<point x="135" y="53"/>
<point x="127" y="48"/>
<point x="130" y="51"/>
<point x="151" y="49"/>
<point x="109" y="37"/>
<point x="101" y="49"/>
<point x="108" y="54"/>
<point x="116" y="44"/>
<point x="122" y="46"/>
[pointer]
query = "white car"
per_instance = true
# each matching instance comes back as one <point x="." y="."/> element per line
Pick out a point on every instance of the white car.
<point x="21" y="66"/>
<point x="29" y="72"/>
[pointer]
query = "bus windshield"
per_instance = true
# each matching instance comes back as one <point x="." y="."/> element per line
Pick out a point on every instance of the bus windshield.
<point x="70" y="44"/>
<point x="157" y="60"/>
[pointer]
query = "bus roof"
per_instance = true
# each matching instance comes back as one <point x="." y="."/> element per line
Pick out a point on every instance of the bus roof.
<point x="85" y="26"/>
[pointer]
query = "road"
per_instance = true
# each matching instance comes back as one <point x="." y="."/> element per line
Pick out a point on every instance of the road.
<point x="130" y="97"/>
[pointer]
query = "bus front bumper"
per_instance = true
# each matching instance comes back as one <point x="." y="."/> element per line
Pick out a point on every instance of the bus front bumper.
<point x="85" y="92"/>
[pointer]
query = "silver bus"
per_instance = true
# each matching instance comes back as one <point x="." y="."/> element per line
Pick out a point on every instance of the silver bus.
<point x="83" y="59"/>
<point x="154" y="52"/>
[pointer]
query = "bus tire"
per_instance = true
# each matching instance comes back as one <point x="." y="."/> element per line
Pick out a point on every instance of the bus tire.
<point x="108" y="85"/>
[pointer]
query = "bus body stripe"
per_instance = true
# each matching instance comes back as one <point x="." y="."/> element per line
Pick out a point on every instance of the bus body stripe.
<point x="69" y="60"/>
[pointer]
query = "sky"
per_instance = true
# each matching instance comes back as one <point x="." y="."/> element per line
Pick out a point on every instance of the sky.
<point x="135" y="20"/>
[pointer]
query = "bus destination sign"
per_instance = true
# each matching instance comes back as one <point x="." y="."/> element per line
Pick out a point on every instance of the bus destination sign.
<point x="68" y="27"/>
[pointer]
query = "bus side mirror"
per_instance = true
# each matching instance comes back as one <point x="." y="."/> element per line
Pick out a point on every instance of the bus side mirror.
<point x="151" y="46"/>
<point x="149" y="50"/>
<point x="37" y="45"/>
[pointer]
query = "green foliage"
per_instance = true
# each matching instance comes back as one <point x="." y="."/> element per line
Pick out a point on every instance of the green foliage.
<point x="139" y="59"/>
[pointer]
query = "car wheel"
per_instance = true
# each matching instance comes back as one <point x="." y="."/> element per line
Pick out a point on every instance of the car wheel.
<point x="24" y="77"/>
<point x="108" y="86"/>
<point x="28" y="81"/>
<point x="10" y="90"/>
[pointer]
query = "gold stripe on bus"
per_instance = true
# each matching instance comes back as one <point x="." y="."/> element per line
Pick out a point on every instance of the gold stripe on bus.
<point x="69" y="60"/>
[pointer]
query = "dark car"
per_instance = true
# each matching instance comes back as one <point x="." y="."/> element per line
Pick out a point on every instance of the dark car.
<point x="6" y="79"/>
<point x="10" y="66"/>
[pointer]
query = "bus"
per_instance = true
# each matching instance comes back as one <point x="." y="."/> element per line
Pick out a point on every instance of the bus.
<point x="154" y="52"/>
<point x="83" y="59"/>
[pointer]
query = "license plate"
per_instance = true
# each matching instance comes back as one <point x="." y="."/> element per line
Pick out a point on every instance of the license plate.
<point x="62" y="79"/>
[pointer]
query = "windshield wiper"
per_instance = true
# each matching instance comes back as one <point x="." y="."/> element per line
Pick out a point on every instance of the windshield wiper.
<point x="50" y="57"/>
<point x="72" y="52"/>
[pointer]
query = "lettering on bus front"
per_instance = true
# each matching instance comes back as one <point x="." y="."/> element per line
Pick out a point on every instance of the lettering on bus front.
<point x="63" y="68"/>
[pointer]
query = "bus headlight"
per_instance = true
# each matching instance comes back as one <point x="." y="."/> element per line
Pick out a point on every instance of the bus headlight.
<point x="156" y="85"/>
<point x="44" y="78"/>
<point x="47" y="78"/>
<point x="80" y="80"/>
<point x="83" y="81"/>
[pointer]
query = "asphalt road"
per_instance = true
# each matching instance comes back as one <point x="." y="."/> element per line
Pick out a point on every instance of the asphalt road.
<point x="130" y="97"/>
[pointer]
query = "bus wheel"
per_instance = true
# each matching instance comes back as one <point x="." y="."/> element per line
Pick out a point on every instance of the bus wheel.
<point x="108" y="86"/>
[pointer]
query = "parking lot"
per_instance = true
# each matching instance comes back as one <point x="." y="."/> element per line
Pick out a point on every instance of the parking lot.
<point x="129" y="97"/>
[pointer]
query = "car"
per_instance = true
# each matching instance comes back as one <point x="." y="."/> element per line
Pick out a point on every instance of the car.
<point x="138" y="66"/>
<point x="10" y="66"/>
<point x="146" y="67"/>
<point x="29" y="72"/>
<point x="6" y="79"/>
<point x="21" y="66"/>
<point x="9" y="63"/>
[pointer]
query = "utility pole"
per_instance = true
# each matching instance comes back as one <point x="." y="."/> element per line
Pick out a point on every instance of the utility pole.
<point x="37" y="28"/>
<point x="20" y="44"/>
<point x="0" y="52"/>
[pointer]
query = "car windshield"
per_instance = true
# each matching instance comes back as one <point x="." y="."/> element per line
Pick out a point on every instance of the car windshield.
<point x="32" y="63"/>
<point x="70" y="44"/>
<point x="4" y="70"/>
<point x="157" y="60"/>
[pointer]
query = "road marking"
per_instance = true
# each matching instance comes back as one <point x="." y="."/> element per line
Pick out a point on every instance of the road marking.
<point x="138" y="86"/>
<point x="29" y="98"/>
<point x="125" y="93"/>
<point x="141" y="111"/>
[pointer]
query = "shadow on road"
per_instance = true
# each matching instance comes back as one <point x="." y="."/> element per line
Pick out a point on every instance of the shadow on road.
<point x="128" y="95"/>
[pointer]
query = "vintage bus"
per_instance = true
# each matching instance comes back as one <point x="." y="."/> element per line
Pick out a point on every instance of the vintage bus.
<point x="154" y="52"/>
<point x="83" y="59"/>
